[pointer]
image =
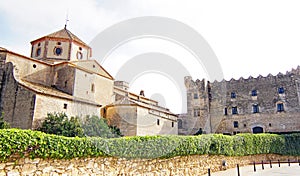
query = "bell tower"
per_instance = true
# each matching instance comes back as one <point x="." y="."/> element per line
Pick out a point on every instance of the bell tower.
<point x="60" y="46"/>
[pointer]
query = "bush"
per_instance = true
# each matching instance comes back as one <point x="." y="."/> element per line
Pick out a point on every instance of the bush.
<point x="60" y="124"/>
<point x="95" y="126"/>
<point x="38" y="144"/>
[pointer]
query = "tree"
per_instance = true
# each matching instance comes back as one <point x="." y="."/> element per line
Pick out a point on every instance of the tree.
<point x="60" y="124"/>
<point x="3" y="123"/>
<point x="95" y="126"/>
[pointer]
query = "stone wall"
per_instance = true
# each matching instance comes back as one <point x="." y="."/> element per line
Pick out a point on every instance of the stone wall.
<point x="152" y="122"/>
<point x="16" y="102"/>
<point x="186" y="165"/>
<point x="45" y="104"/>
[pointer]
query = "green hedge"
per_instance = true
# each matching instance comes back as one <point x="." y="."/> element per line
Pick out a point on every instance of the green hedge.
<point x="38" y="144"/>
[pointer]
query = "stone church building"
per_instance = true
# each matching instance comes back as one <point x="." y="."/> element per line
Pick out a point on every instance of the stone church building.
<point x="60" y="76"/>
<point x="254" y="105"/>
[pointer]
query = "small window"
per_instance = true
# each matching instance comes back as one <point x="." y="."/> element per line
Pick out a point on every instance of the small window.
<point x="280" y="90"/>
<point x="157" y="121"/>
<point x="66" y="83"/>
<point x="58" y="43"/>
<point x="172" y="124"/>
<point x="39" y="44"/>
<point x="225" y="111"/>
<point x="93" y="87"/>
<point x="270" y="124"/>
<point x="58" y="51"/>
<point x="65" y="106"/>
<point x="94" y="66"/>
<point x="233" y="95"/>
<point x="235" y="124"/>
<point x="180" y="124"/>
<point x="254" y="93"/>
<point x="195" y="96"/>
<point x="197" y="112"/>
<point x="280" y="107"/>
<point x="34" y="66"/>
<point x="245" y="125"/>
<point x="234" y="110"/>
<point x="255" y="108"/>
<point x="80" y="48"/>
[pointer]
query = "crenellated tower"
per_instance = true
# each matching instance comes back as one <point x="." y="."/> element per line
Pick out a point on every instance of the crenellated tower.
<point x="261" y="104"/>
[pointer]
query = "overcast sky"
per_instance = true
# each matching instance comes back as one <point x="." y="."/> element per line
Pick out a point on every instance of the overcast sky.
<point x="248" y="37"/>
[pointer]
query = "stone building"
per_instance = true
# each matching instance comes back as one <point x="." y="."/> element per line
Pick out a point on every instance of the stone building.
<point x="253" y="105"/>
<point x="60" y="76"/>
<point x="137" y="115"/>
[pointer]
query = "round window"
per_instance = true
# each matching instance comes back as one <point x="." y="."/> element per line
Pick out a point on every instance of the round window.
<point x="57" y="51"/>
<point x="79" y="55"/>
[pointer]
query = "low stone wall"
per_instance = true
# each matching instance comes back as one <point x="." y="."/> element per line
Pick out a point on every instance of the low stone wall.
<point x="185" y="165"/>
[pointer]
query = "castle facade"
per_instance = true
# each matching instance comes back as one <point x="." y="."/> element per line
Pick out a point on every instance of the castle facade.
<point x="253" y="105"/>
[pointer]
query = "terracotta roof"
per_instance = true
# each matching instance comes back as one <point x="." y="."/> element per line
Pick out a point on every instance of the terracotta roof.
<point x="64" y="34"/>
<point x="52" y="92"/>
<point x="3" y="49"/>
<point x="128" y="101"/>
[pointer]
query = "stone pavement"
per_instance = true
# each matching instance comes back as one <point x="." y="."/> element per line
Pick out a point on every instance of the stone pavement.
<point x="283" y="170"/>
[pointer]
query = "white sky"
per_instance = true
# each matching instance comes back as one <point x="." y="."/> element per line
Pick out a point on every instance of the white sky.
<point x="249" y="37"/>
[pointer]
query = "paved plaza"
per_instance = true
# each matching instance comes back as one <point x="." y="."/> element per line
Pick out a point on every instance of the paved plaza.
<point x="283" y="170"/>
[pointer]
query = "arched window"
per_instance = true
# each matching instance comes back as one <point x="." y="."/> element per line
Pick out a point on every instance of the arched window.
<point x="257" y="130"/>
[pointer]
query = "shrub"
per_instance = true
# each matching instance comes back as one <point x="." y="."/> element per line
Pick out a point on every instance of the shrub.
<point x="39" y="144"/>
<point x="60" y="124"/>
<point x="95" y="126"/>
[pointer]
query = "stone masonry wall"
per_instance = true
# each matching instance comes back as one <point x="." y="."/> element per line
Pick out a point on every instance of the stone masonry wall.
<point x="243" y="105"/>
<point x="16" y="102"/>
<point x="186" y="165"/>
<point x="266" y="99"/>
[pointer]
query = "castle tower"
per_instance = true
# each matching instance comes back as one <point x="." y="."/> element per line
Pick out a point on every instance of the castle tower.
<point x="60" y="46"/>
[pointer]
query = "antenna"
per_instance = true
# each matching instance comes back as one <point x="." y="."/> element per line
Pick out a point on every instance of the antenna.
<point x="67" y="19"/>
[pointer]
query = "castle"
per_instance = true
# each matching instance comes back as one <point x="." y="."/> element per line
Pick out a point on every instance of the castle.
<point x="60" y="76"/>
<point x="254" y="105"/>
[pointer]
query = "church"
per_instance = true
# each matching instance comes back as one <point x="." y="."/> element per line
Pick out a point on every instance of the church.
<point x="61" y="76"/>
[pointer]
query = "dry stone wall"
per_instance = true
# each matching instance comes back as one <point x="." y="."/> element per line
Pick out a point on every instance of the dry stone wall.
<point x="185" y="165"/>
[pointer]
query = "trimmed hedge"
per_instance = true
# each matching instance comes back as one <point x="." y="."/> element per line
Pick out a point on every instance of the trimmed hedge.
<point x="38" y="144"/>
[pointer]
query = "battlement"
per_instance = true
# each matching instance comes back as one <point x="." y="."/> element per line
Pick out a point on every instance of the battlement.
<point x="189" y="82"/>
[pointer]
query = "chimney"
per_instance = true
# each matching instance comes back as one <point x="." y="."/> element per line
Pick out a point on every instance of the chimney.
<point x="142" y="93"/>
